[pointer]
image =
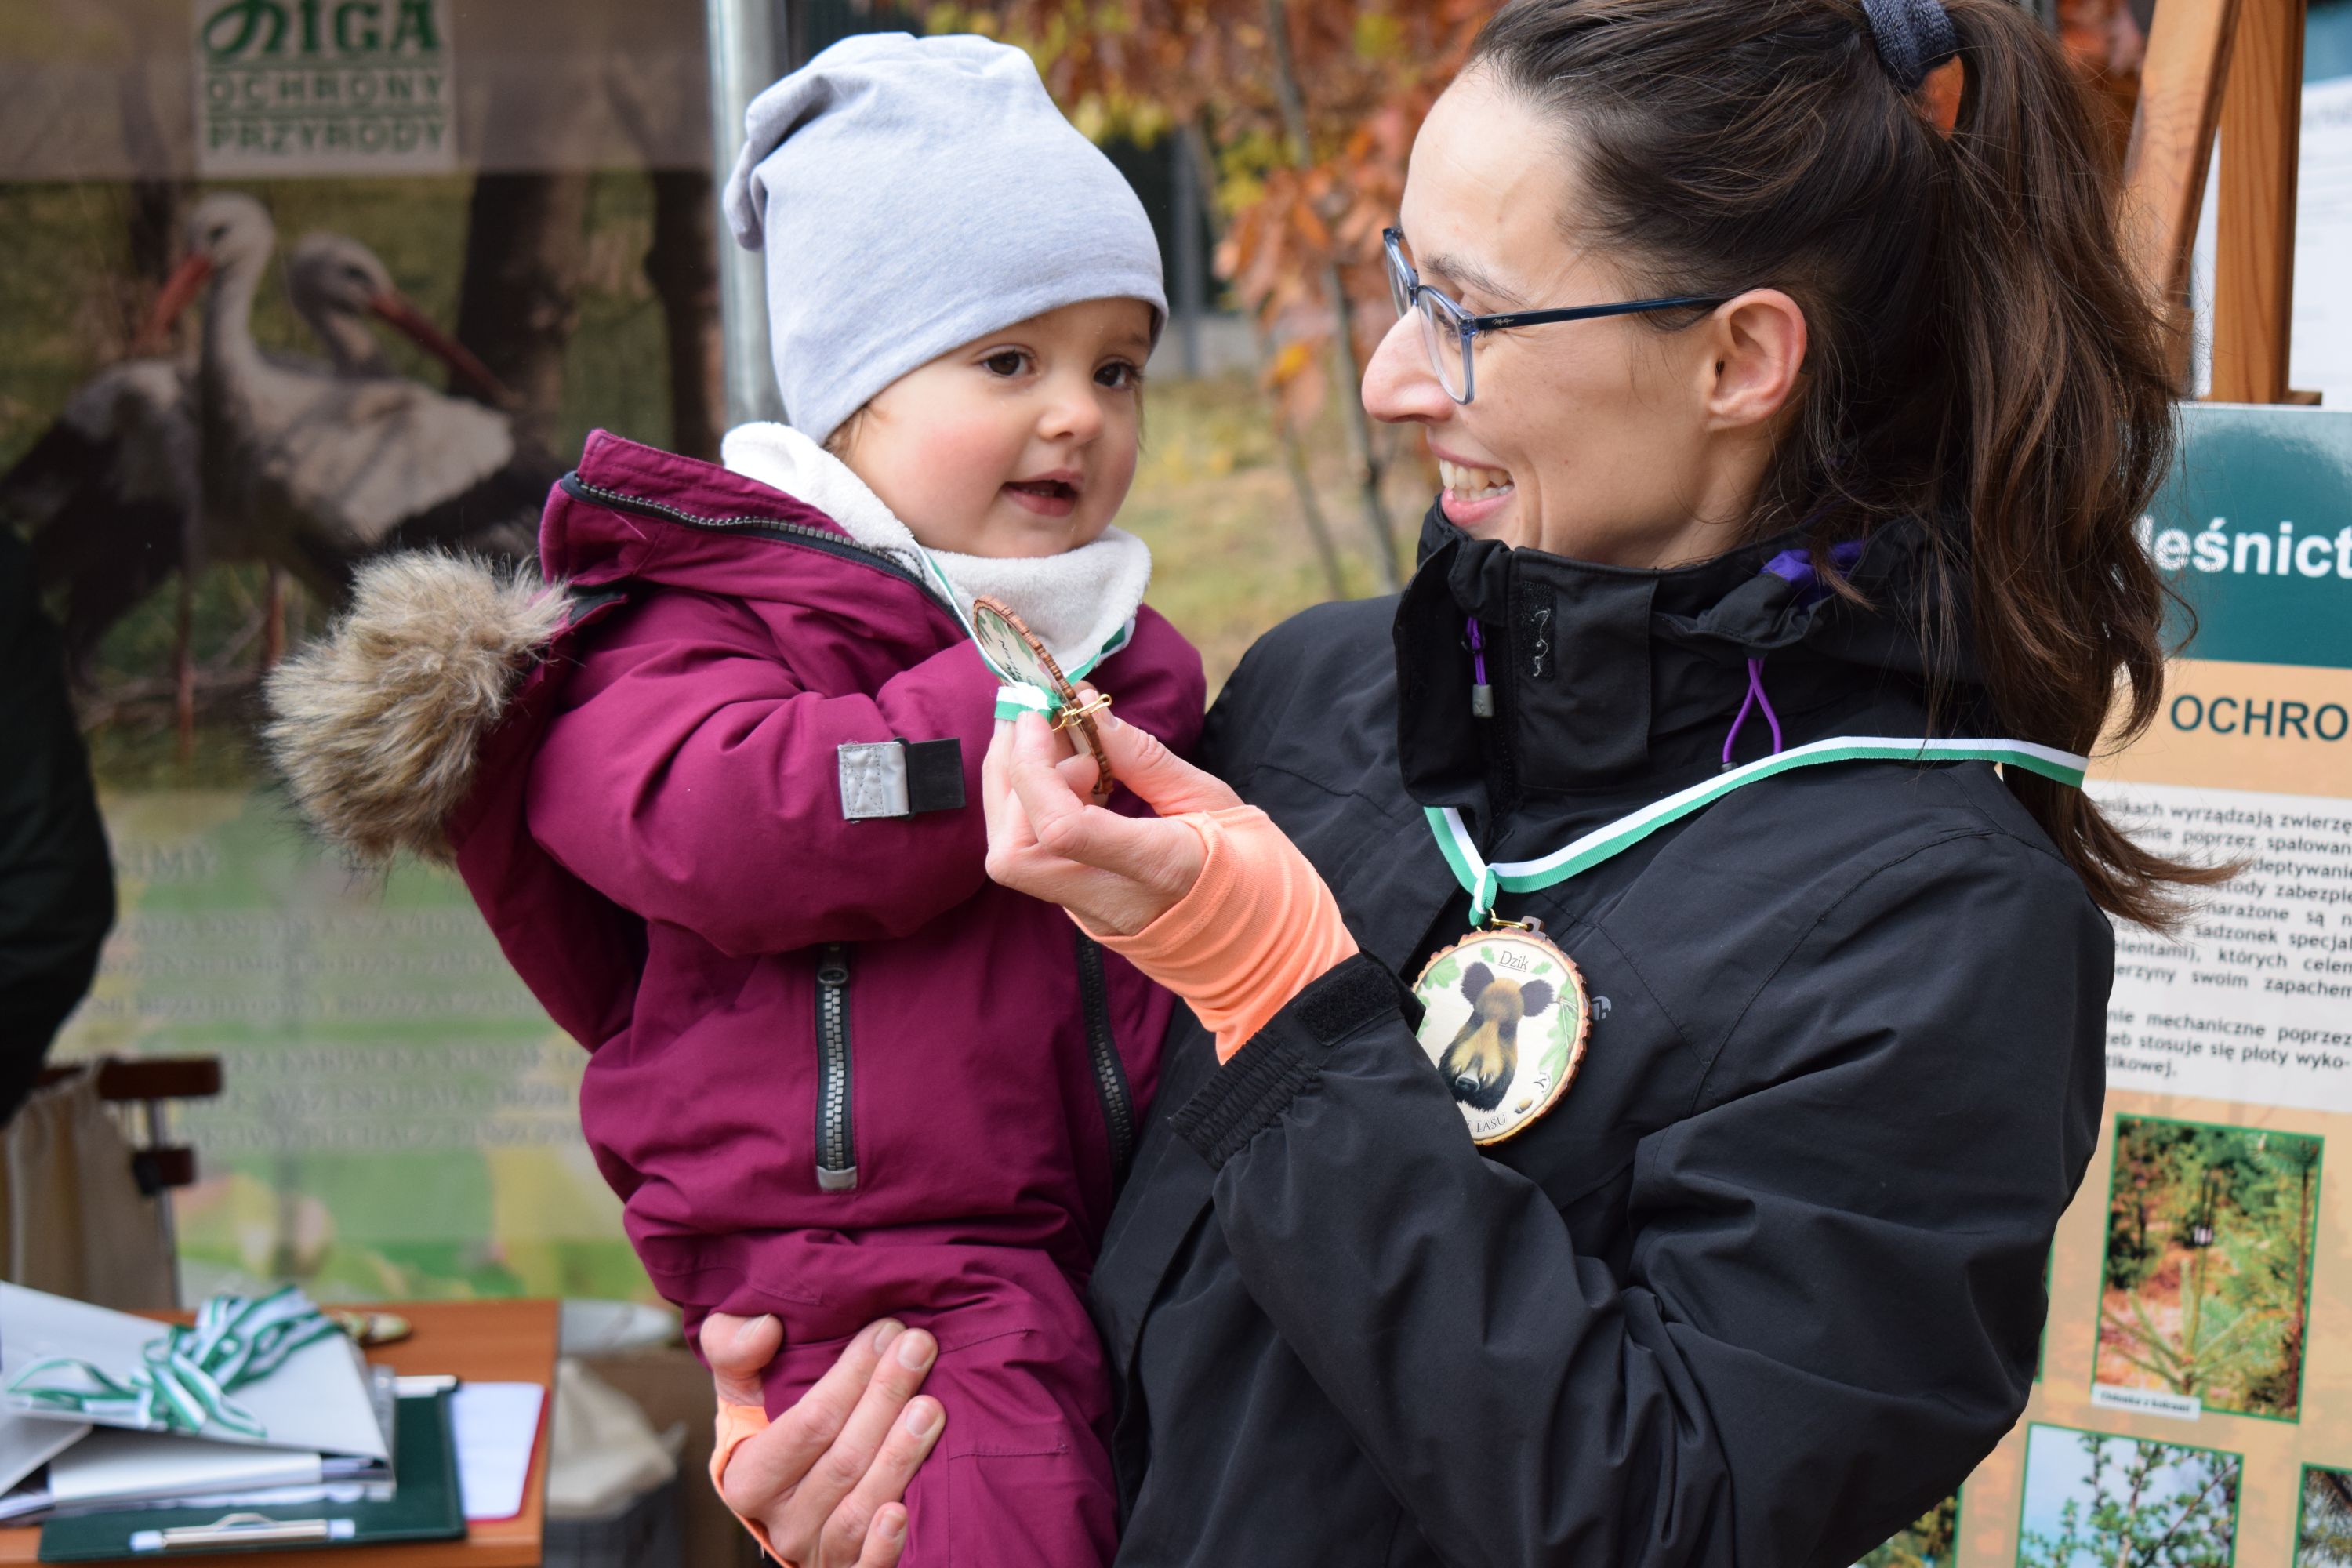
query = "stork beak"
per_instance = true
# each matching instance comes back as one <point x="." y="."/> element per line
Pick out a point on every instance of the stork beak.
<point x="179" y="289"/>
<point x="396" y="311"/>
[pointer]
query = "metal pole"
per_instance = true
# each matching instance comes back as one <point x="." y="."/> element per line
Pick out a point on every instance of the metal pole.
<point x="1192" y="287"/>
<point x="743" y="57"/>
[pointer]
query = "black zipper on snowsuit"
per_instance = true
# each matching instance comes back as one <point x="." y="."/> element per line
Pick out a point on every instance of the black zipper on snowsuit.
<point x="783" y="533"/>
<point x="837" y="1148"/>
<point x="1110" y="1073"/>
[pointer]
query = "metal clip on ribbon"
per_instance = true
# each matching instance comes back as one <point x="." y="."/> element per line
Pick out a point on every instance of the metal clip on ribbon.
<point x="184" y="1381"/>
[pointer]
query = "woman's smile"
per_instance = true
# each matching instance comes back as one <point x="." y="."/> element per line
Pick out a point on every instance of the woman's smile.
<point x="1474" y="495"/>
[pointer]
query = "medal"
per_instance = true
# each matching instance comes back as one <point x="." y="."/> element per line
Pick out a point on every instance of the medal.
<point x="1504" y="1012"/>
<point x="1021" y="657"/>
<point x="1504" y="1018"/>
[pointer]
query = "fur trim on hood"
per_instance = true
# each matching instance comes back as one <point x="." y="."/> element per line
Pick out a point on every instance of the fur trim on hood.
<point x="376" y="726"/>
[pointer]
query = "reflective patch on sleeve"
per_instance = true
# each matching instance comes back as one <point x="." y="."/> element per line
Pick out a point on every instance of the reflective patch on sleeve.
<point x="873" y="780"/>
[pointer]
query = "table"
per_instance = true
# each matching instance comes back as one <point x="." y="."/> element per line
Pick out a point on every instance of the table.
<point x="484" y="1342"/>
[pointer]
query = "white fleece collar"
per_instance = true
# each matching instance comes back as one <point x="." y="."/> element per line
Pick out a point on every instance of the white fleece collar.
<point x="1075" y="600"/>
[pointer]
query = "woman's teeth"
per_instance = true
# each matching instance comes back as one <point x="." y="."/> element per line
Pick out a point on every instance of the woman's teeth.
<point x="1473" y="484"/>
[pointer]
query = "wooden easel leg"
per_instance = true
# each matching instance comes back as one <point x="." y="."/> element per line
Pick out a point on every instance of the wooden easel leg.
<point x="2254" y="283"/>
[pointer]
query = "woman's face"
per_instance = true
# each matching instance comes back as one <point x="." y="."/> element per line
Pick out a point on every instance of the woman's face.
<point x="1604" y="440"/>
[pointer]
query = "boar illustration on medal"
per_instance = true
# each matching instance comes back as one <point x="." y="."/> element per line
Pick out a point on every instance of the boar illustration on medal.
<point x="1504" y="1018"/>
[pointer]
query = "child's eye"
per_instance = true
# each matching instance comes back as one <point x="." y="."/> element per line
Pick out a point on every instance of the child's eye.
<point x="1005" y="362"/>
<point x="1120" y="374"/>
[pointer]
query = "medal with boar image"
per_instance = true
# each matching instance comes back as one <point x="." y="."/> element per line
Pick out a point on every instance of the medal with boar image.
<point x="1505" y="1010"/>
<point x="1504" y="1019"/>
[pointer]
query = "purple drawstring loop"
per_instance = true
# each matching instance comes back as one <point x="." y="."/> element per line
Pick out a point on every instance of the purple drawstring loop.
<point x="1755" y="699"/>
<point x="1482" y="696"/>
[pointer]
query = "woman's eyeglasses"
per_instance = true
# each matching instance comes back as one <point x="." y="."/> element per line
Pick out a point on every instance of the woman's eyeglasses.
<point x="1448" y="331"/>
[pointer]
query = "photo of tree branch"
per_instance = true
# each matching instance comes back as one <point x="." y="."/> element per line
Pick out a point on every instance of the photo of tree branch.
<point x="2092" y="1501"/>
<point x="2208" y="1255"/>
<point x="1931" y="1540"/>
<point x="2323" y="1531"/>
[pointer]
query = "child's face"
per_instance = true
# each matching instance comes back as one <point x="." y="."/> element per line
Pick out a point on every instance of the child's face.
<point x="1021" y="443"/>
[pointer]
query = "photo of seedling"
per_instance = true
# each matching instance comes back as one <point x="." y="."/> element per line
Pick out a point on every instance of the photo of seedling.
<point x="2322" y="1531"/>
<point x="2209" y="1256"/>
<point x="1928" y="1541"/>
<point x="2092" y="1501"/>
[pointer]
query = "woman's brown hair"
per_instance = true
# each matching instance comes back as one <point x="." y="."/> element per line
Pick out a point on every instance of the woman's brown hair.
<point x="1980" y="357"/>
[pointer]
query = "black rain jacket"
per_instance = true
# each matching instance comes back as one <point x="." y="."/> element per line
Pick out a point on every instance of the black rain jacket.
<point x="1767" y="1282"/>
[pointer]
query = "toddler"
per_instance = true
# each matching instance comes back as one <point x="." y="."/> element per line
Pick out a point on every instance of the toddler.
<point x="718" y="797"/>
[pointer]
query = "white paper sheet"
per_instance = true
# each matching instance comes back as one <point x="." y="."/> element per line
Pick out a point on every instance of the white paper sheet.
<point x="495" y="1426"/>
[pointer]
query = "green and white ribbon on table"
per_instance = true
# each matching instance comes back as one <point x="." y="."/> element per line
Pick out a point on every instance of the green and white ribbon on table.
<point x="1017" y="695"/>
<point x="184" y="1379"/>
<point x="1486" y="883"/>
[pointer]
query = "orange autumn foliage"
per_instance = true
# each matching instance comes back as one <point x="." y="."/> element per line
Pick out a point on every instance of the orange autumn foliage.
<point x="1352" y="83"/>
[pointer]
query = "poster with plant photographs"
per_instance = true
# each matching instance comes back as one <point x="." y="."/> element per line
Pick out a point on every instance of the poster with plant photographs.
<point x="2190" y="1402"/>
<point x="2211" y="1236"/>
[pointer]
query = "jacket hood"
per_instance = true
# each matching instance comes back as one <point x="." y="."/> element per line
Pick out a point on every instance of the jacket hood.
<point x="1658" y="667"/>
<point x="379" y="726"/>
<point x="376" y="726"/>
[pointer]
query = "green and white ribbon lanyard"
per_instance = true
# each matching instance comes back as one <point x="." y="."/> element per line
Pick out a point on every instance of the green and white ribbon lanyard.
<point x="184" y="1377"/>
<point x="1485" y="882"/>
<point x="1019" y="694"/>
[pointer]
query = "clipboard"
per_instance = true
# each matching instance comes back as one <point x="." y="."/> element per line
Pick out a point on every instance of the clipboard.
<point x="425" y="1505"/>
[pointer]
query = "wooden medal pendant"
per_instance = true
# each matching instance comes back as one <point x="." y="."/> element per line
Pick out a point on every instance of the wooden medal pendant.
<point x="1504" y="1019"/>
<point x="1020" y="653"/>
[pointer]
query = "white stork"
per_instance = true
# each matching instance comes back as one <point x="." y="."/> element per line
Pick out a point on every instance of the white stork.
<point x="113" y="492"/>
<point x="314" y="468"/>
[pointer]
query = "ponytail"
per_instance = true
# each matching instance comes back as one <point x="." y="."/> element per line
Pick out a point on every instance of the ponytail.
<point x="1981" y="357"/>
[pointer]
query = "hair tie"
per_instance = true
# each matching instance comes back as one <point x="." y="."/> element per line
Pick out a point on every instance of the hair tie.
<point x="1914" y="36"/>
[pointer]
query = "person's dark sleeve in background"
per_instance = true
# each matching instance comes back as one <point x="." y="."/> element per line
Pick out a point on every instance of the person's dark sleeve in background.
<point x="56" y="886"/>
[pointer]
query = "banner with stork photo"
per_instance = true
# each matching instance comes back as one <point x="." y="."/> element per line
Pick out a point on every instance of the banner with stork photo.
<point x="217" y="398"/>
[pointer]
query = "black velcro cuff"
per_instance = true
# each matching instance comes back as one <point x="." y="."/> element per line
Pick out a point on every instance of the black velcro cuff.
<point x="1250" y="1092"/>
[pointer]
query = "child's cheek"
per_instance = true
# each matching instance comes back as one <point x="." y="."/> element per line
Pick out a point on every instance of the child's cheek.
<point x="962" y="466"/>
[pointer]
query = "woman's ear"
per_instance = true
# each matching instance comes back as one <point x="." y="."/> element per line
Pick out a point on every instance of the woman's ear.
<point x="1756" y="352"/>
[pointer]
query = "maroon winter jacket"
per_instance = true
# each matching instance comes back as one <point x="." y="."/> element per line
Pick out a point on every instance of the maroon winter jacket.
<point x="835" y="1071"/>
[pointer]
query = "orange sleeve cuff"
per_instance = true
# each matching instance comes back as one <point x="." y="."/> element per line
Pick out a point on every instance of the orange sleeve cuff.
<point x="736" y="1424"/>
<point x="1255" y="929"/>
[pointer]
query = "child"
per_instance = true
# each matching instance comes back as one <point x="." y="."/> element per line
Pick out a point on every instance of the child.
<point x="720" y="797"/>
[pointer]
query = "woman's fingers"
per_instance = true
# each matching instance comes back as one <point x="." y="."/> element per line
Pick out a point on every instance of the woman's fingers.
<point x="799" y="1527"/>
<point x="1165" y="780"/>
<point x="1070" y="827"/>
<point x="887" y="1540"/>
<point x="851" y="1532"/>
<point x="738" y="1350"/>
<point x="770" y="1464"/>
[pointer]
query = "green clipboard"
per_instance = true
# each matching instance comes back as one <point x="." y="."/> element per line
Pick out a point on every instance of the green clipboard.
<point x="424" y="1505"/>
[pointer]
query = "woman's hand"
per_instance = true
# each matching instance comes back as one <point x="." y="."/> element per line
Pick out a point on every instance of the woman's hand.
<point x="826" y="1477"/>
<point x="1117" y="874"/>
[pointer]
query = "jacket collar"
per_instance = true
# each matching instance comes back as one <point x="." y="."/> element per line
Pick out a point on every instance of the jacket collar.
<point x="1609" y="681"/>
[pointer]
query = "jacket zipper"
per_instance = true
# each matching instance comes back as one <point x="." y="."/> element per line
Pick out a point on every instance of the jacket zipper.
<point x="837" y="1148"/>
<point x="799" y="533"/>
<point x="1110" y="1073"/>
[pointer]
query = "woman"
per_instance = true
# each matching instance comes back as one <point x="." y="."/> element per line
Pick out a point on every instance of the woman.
<point x="1765" y="1283"/>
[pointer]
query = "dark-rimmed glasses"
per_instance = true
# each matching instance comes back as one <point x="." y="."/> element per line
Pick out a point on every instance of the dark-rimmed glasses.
<point x="1449" y="332"/>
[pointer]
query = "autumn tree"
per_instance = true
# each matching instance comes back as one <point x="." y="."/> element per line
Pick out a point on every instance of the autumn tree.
<point x="1308" y="109"/>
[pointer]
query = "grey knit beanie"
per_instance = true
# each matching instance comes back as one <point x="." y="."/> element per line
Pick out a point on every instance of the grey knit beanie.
<point x="914" y="195"/>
